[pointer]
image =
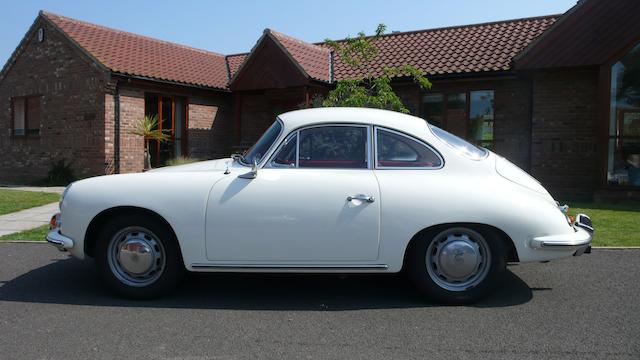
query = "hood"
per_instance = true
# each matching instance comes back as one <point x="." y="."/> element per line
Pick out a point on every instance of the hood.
<point x="219" y="164"/>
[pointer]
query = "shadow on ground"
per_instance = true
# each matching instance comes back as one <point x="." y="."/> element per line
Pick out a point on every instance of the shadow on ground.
<point x="71" y="281"/>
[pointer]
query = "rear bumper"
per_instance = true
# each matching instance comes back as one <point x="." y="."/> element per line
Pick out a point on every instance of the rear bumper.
<point x="579" y="241"/>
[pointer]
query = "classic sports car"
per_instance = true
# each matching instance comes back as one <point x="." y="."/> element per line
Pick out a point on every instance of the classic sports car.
<point x="323" y="190"/>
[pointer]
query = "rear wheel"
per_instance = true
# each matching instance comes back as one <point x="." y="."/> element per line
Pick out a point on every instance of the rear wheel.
<point x="457" y="264"/>
<point x="138" y="257"/>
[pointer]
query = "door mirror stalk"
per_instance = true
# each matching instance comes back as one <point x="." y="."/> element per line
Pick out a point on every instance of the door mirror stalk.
<point x="251" y="174"/>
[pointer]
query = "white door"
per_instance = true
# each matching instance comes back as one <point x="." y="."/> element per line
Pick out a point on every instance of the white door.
<point x="320" y="208"/>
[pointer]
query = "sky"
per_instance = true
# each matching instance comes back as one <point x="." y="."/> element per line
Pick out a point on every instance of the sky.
<point x="233" y="26"/>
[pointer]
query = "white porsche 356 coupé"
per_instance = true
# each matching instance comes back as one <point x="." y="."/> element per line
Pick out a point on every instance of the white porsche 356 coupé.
<point x="323" y="190"/>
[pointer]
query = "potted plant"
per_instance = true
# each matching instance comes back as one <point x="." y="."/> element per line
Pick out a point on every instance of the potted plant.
<point x="147" y="127"/>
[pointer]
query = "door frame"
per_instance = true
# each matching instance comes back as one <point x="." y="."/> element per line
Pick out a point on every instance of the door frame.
<point x="184" y="148"/>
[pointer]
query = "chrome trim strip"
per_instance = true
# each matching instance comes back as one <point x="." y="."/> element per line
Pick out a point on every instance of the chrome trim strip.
<point x="586" y="227"/>
<point x="557" y="244"/>
<point x="289" y="267"/>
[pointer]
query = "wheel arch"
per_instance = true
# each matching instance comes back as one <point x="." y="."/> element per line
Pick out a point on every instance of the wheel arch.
<point x="512" y="254"/>
<point x="103" y="217"/>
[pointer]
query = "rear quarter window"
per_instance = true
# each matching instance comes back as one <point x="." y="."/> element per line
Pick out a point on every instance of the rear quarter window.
<point x="396" y="150"/>
<point x="461" y="146"/>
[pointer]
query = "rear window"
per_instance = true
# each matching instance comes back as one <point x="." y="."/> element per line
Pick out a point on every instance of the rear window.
<point x="461" y="146"/>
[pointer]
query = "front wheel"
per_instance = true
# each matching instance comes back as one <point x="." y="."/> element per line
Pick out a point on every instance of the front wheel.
<point x="457" y="265"/>
<point x="138" y="257"/>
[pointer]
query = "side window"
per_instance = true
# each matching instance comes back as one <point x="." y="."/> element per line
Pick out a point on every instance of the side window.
<point x="333" y="147"/>
<point x="395" y="150"/>
<point x="286" y="156"/>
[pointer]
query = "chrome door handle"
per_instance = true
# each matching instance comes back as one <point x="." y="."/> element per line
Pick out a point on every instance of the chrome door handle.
<point x="361" y="197"/>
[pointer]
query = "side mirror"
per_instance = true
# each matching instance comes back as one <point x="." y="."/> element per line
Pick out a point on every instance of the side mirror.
<point x="251" y="174"/>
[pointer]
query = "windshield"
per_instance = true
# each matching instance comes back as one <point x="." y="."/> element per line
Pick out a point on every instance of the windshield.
<point x="461" y="146"/>
<point x="260" y="148"/>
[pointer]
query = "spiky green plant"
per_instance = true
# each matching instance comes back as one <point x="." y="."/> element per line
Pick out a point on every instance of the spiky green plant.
<point x="147" y="127"/>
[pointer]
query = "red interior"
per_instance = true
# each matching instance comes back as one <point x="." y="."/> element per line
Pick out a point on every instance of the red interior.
<point x="333" y="163"/>
<point x="404" y="163"/>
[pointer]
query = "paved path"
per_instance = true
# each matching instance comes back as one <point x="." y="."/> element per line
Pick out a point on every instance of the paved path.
<point x="27" y="219"/>
<point x="54" y="307"/>
<point x="53" y="189"/>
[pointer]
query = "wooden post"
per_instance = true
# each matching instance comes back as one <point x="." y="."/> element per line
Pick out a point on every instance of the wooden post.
<point x="237" y="106"/>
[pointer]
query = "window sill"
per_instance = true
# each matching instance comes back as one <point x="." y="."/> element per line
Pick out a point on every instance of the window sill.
<point x="25" y="137"/>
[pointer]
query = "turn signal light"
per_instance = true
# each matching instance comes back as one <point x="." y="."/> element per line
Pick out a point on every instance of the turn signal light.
<point x="54" y="223"/>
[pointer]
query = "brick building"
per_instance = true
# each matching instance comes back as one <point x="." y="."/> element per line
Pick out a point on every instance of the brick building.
<point x="559" y="95"/>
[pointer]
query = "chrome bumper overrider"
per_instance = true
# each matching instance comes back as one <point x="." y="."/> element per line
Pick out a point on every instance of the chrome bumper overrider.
<point x="58" y="240"/>
<point x="579" y="240"/>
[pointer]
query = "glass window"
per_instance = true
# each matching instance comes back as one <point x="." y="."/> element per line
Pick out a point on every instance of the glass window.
<point x="260" y="148"/>
<point x="333" y="147"/>
<point x="462" y="147"/>
<point x="624" y="121"/>
<point x="456" y="114"/>
<point x="286" y="156"/>
<point x="481" y="118"/>
<point x="395" y="150"/>
<point x="433" y="108"/>
<point x="27" y="114"/>
<point x="18" y="116"/>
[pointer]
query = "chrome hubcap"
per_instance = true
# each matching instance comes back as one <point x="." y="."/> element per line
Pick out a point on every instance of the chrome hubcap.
<point x="136" y="256"/>
<point x="458" y="259"/>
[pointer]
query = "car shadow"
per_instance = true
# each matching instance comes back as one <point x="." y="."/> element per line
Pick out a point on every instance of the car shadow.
<point x="70" y="281"/>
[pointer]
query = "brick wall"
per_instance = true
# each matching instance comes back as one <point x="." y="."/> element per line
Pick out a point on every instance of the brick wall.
<point x="71" y="128"/>
<point x="131" y="146"/>
<point x="565" y="131"/>
<point x="210" y="133"/>
<point x="260" y="108"/>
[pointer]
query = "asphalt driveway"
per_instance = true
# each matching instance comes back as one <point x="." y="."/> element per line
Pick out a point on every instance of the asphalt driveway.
<point x="52" y="306"/>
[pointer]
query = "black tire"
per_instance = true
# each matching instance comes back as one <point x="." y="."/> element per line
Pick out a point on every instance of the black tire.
<point x="173" y="268"/>
<point x="428" y="287"/>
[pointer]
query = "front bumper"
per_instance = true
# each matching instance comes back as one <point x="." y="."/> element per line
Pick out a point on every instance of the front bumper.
<point x="61" y="242"/>
<point x="579" y="241"/>
<point x="55" y="237"/>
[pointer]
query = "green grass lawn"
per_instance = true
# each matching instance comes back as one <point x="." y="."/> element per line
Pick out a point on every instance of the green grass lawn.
<point x="16" y="200"/>
<point x="615" y="225"/>
<point x="36" y="234"/>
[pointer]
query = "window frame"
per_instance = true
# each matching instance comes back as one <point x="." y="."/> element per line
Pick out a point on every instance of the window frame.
<point x="285" y="141"/>
<point x="400" y="133"/>
<point x="618" y="137"/>
<point x="369" y="147"/>
<point x="28" y="132"/>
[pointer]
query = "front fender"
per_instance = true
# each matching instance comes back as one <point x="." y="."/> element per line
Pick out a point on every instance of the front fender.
<point x="180" y="199"/>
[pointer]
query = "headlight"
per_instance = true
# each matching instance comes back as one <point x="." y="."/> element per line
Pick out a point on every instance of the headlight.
<point x="64" y="193"/>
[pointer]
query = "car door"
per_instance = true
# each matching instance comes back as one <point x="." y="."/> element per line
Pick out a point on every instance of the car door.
<point x="316" y="201"/>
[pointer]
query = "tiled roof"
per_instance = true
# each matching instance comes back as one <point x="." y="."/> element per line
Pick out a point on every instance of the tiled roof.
<point x="314" y="59"/>
<point x="590" y="33"/>
<point x="131" y="54"/>
<point x="234" y="62"/>
<point x="453" y="50"/>
<point x="475" y="48"/>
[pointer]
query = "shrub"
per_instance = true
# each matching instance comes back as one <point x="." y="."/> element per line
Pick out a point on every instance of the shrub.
<point x="60" y="174"/>
<point x="181" y="161"/>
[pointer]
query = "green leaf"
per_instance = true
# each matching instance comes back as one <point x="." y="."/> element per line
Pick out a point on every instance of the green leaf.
<point x="369" y="91"/>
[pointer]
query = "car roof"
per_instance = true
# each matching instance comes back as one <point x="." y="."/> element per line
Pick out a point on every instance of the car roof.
<point x="390" y="119"/>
